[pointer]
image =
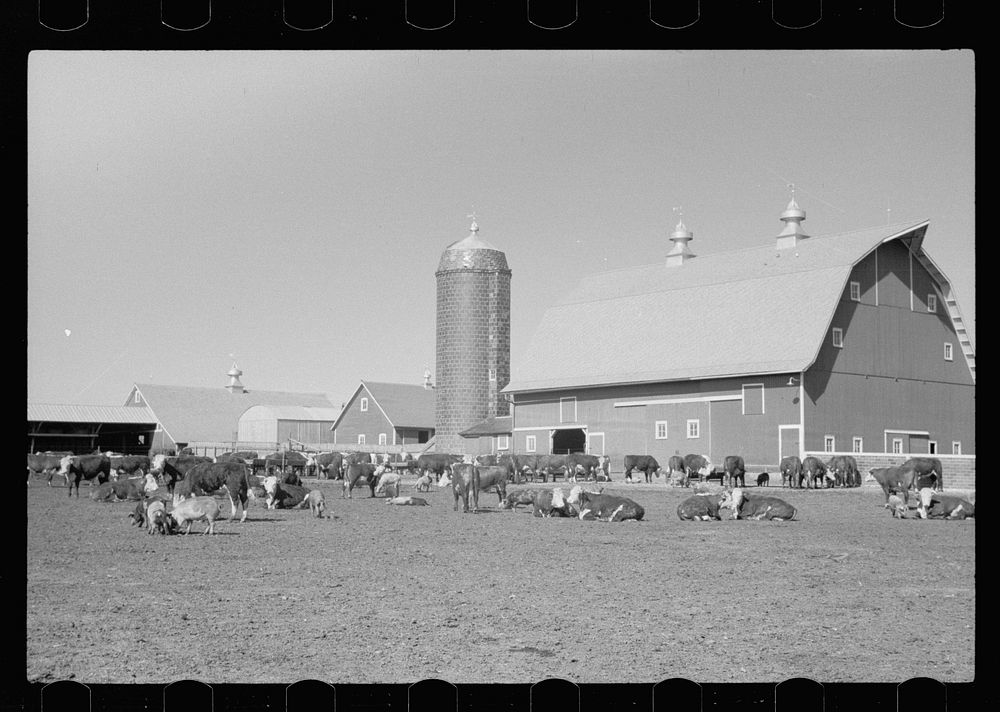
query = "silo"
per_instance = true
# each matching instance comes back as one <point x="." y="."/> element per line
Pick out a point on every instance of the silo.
<point x="473" y="338"/>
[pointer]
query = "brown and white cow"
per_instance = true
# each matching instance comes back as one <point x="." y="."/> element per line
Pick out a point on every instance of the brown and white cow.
<point x="700" y="508"/>
<point x="934" y="505"/>
<point x="604" y="507"/>
<point x="209" y="477"/>
<point x="87" y="467"/>
<point x="758" y="507"/>
<point x="646" y="464"/>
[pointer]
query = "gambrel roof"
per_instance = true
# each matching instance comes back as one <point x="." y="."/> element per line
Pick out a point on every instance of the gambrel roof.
<point x="191" y="413"/>
<point x="404" y="405"/>
<point x="751" y="311"/>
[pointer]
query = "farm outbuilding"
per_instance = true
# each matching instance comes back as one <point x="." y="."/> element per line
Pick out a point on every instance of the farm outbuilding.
<point x="848" y="343"/>
<point x="489" y="436"/>
<point x="83" y="429"/>
<point x="274" y="423"/>
<point x="383" y="414"/>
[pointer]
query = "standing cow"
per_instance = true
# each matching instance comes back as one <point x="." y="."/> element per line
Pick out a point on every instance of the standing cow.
<point x="646" y="464"/>
<point x="77" y="467"/>
<point x="814" y="472"/>
<point x="436" y="463"/>
<point x="845" y="470"/>
<point x="132" y="465"/>
<point x="359" y="473"/>
<point x="927" y="472"/>
<point x="697" y="465"/>
<point x="589" y="465"/>
<point x="791" y="471"/>
<point x="735" y="471"/>
<point x="46" y="463"/>
<point x="328" y="465"/>
<point x="892" y="480"/>
<point x="172" y="469"/>
<point x="207" y="478"/>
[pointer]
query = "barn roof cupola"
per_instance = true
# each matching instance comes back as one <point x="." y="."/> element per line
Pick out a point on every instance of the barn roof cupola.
<point x="234" y="380"/>
<point x="792" y="234"/>
<point x="680" y="252"/>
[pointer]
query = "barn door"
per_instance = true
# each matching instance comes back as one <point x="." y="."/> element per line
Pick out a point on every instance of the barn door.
<point x="788" y="441"/>
<point x="595" y="444"/>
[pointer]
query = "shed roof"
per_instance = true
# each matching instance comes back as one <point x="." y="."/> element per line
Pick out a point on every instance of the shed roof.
<point x="492" y="425"/>
<point x="191" y="413"/>
<point x="751" y="311"/>
<point x="60" y="413"/>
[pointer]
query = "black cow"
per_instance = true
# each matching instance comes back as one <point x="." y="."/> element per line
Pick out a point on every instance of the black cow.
<point x="791" y="471"/>
<point x="762" y="479"/>
<point x="359" y="473"/>
<point x="697" y="464"/>
<point x="436" y="463"/>
<point x="172" y="469"/>
<point x="701" y="507"/>
<point x="814" y="472"/>
<point x="845" y="470"/>
<point x="646" y="464"/>
<point x="208" y="477"/>
<point x="329" y="465"/>
<point x="735" y="471"/>
<point x="519" y="466"/>
<point x="87" y="467"/>
<point x="605" y="507"/>
<point x="927" y="472"/>
<point x="486" y="460"/>
<point x="547" y="466"/>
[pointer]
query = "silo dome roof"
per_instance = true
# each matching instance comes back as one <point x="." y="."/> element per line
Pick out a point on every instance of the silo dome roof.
<point x="472" y="252"/>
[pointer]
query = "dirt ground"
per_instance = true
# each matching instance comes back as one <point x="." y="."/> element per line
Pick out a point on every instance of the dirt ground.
<point x="386" y="594"/>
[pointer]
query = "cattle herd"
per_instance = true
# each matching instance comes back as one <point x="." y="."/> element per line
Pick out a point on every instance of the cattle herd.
<point x="174" y="491"/>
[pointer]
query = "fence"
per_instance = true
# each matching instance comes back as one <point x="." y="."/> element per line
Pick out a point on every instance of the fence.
<point x="215" y="448"/>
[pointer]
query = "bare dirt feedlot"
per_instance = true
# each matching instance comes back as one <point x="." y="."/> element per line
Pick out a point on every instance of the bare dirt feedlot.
<point x="383" y="594"/>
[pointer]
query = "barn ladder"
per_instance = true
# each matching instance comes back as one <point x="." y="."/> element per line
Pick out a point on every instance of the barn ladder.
<point x="953" y="311"/>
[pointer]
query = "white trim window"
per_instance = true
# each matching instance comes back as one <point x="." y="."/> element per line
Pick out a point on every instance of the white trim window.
<point x="138" y="399"/>
<point x="503" y="442"/>
<point x="694" y="429"/>
<point x="855" y="291"/>
<point x="364" y="405"/>
<point x="932" y="447"/>
<point x="566" y="415"/>
<point x="897" y="446"/>
<point x="383" y="439"/>
<point x="660" y="429"/>
<point x="932" y="303"/>
<point x="956" y="447"/>
<point x="361" y="438"/>
<point x="829" y="443"/>
<point x="949" y="351"/>
<point x="530" y="443"/>
<point x="492" y="373"/>
<point x="838" y="337"/>
<point x="857" y="444"/>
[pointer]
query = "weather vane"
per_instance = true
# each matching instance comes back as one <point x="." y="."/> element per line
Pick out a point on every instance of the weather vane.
<point x="792" y="186"/>
<point x="475" y="225"/>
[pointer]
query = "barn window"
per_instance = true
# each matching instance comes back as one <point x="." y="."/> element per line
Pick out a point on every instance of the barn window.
<point x="956" y="447"/>
<point x="423" y="436"/>
<point x="855" y="291"/>
<point x="137" y="398"/>
<point x="364" y="405"/>
<point x="932" y="447"/>
<point x="382" y="439"/>
<point x="567" y="410"/>
<point x="361" y="438"/>
<point x="829" y="443"/>
<point x="897" y="446"/>
<point x="949" y="352"/>
<point x="857" y="445"/>
<point x="694" y="428"/>
<point x="753" y="399"/>
<point x="493" y="374"/>
<point x="661" y="430"/>
<point x="838" y="337"/>
<point x="530" y="443"/>
<point x="142" y="439"/>
<point x="932" y="303"/>
<point x="503" y="442"/>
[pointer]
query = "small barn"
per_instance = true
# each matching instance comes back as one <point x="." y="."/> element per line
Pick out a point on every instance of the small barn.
<point x="83" y="429"/>
<point x="849" y="343"/>
<point x="490" y="436"/>
<point x="384" y="414"/>
<point x="276" y="423"/>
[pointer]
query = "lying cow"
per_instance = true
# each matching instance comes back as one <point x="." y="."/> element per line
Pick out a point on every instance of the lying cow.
<point x="193" y="509"/>
<point x="700" y="508"/>
<point x="758" y="507"/>
<point x="646" y="464"/>
<point x="281" y="496"/>
<point x="604" y="507"/>
<point x="316" y="502"/>
<point x="519" y="496"/>
<point x="117" y="492"/>
<point x="552" y="503"/>
<point x="934" y="505"/>
<point x="411" y="501"/>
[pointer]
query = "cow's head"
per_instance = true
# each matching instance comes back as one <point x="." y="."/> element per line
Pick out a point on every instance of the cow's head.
<point x="156" y="464"/>
<point x="735" y="500"/>
<point x="445" y="480"/>
<point x="870" y="477"/>
<point x="926" y="497"/>
<point x="64" y="464"/>
<point x="149" y="483"/>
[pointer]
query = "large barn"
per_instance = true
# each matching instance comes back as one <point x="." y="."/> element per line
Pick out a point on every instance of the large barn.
<point x="845" y="343"/>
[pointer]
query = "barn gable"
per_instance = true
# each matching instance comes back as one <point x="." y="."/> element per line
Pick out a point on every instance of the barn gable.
<point x="400" y="411"/>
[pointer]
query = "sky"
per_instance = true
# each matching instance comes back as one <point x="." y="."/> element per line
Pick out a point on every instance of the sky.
<point x="287" y="210"/>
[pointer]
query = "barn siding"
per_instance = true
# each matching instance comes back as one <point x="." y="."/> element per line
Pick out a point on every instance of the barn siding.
<point x="354" y="422"/>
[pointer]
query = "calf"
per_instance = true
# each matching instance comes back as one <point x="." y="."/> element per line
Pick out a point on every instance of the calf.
<point x="758" y="507"/>
<point x="762" y="479"/>
<point x="934" y="505"/>
<point x="315" y="501"/>
<point x="700" y="507"/>
<point x="896" y="506"/>
<point x="605" y="507"/>
<point x="193" y="509"/>
<point x="521" y="496"/>
<point x="412" y="501"/>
